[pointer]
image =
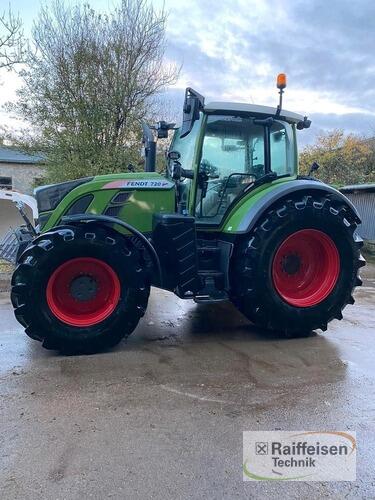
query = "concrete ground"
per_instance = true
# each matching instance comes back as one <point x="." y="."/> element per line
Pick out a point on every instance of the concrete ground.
<point x="162" y="415"/>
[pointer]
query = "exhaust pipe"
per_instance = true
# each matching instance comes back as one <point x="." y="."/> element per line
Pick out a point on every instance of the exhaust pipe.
<point x="149" y="144"/>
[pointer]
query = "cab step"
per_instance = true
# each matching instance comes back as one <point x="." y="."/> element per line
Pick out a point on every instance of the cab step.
<point x="210" y="293"/>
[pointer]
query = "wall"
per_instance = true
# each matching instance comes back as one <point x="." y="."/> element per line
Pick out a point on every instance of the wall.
<point x="23" y="175"/>
<point x="364" y="201"/>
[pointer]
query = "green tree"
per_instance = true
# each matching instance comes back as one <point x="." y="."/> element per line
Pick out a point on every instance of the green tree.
<point x="90" y="78"/>
<point x="343" y="158"/>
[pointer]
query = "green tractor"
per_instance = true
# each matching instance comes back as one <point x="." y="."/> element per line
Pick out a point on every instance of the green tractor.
<point x="231" y="219"/>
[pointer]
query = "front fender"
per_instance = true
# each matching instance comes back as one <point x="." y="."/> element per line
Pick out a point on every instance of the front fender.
<point x="252" y="210"/>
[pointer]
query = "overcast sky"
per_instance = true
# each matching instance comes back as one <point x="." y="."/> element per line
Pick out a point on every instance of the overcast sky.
<point x="233" y="50"/>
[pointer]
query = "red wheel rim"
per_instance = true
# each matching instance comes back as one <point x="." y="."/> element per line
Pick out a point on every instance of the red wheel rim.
<point x="83" y="291"/>
<point x="306" y="267"/>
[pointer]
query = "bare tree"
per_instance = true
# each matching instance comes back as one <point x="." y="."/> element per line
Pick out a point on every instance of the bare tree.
<point x="11" y="40"/>
<point x="89" y="79"/>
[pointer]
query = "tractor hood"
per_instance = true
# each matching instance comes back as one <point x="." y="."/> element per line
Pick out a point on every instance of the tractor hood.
<point x="132" y="197"/>
<point x="48" y="197"/>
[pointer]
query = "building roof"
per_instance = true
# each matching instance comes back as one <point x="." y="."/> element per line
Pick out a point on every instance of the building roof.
<point x="12" y="155"/>
<point x="253" y="109"/>
<point x="370" y="188"/>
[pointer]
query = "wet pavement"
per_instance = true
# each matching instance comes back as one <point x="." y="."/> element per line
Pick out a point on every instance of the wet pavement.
<point x="162" y="415"/>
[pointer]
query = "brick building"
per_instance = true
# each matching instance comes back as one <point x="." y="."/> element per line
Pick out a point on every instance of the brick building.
<point x="19" y="171"/>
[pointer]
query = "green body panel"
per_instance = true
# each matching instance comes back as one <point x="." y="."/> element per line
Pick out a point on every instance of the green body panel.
<point x="143" y="203"/>
<point x="234" y="217"/>
<point x="138" y="210"/>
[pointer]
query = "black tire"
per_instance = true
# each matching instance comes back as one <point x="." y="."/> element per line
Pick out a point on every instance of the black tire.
<point x="58" y="246"/>
<point x="253" y="288"/>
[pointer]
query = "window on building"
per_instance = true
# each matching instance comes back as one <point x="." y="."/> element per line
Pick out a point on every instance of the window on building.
<point x="5" y="183"/>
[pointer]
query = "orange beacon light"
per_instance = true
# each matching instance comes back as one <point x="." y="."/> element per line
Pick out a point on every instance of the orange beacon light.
<point x="281" y="81"/>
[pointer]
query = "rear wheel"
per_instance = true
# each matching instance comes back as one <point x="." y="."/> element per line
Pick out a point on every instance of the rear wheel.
<point x="80" y="288"/>
<point x="297" y="270"/>
<point x="305" y="267"/>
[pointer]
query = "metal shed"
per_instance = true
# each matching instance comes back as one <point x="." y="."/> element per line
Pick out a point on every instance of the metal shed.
<point x="363" y="198"/>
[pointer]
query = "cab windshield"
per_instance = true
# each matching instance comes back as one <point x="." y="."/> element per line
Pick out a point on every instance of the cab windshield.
<point x="233" y="157"/>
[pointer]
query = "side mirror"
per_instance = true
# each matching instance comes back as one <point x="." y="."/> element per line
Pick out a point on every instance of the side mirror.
<point x="194" y="102"/>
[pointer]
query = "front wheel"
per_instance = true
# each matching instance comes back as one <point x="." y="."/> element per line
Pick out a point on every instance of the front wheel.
<point x="297" y="270"/>
<point x="80" y="288"/>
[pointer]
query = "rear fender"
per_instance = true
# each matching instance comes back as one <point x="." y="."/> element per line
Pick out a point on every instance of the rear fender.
<point x="282" y="191"/>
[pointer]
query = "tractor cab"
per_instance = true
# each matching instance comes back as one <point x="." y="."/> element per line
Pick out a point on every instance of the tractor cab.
<point x="223" y="150"/>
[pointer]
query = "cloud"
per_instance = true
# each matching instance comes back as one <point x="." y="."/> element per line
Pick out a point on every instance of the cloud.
<point x="233" y="50"/>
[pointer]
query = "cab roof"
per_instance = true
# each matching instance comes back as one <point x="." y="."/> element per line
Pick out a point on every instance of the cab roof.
<point x="253" y="109"/>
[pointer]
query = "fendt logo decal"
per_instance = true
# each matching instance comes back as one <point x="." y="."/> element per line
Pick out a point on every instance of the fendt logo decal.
<point x="139" y="183"/>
